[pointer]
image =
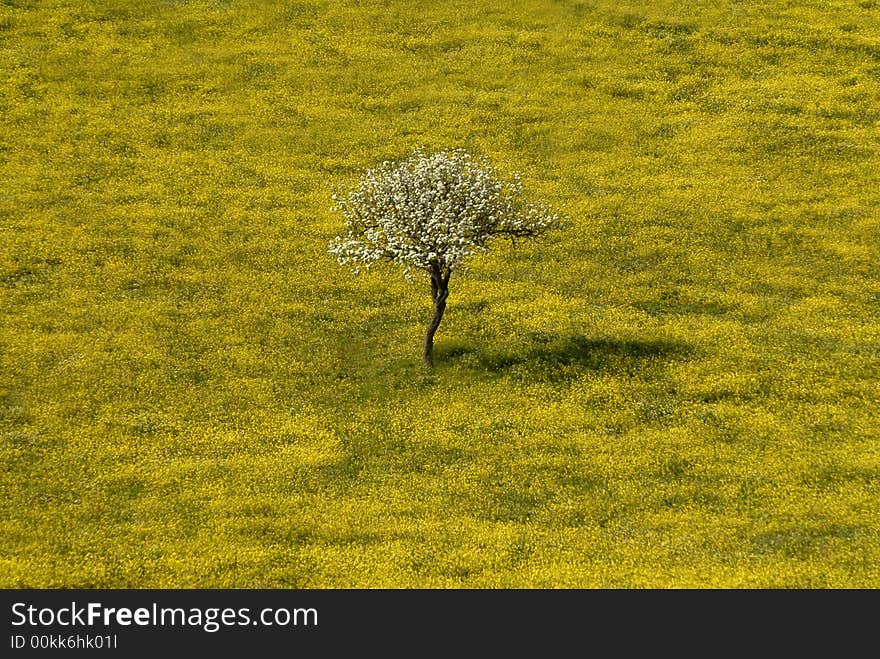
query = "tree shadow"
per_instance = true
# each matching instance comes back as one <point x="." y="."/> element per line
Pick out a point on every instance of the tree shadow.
<point x="543" y="356"/>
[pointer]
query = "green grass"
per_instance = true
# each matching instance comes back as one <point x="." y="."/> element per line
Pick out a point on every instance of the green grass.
<point x="681" y="390"/>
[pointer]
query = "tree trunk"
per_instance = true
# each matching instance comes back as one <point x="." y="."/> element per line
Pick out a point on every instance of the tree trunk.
<point x="439" y="293"/>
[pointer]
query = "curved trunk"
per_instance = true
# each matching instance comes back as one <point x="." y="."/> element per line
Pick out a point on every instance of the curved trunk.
<point x="439" y="293"/>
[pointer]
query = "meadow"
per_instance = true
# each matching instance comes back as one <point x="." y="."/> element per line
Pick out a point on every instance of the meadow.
<point x="679" y="390"/>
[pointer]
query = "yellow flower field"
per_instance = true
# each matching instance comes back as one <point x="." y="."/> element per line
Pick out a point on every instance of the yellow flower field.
<point x="682" y="389"/>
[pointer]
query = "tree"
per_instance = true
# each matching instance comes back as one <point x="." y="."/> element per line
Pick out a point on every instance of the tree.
<point x="429" y="213"/>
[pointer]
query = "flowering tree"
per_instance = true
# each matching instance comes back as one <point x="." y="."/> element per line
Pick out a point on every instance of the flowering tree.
<point x="429" y="213"/>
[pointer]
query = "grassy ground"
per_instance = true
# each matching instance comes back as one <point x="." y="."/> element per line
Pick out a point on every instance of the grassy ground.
<point x="680" y="390"/>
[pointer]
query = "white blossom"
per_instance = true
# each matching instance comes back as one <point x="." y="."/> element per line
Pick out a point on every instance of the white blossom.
<point x="431" y="211"/>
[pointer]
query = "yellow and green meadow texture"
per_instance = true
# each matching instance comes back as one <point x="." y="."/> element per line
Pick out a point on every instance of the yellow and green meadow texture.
<point x="679" y="390"/>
